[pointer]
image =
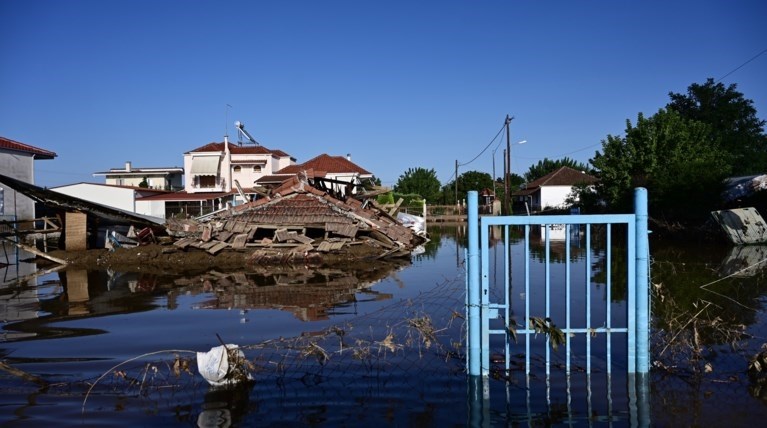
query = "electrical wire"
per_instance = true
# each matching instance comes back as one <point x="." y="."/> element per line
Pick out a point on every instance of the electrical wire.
<point x="742" y="65"/>
<point x="486" y="147"/>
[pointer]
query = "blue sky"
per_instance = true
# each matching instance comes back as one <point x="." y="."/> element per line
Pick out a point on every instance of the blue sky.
<point x="396" y="84"/>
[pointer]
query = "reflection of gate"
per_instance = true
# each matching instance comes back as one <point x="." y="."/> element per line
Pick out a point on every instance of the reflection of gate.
<point x="574" y="310"/>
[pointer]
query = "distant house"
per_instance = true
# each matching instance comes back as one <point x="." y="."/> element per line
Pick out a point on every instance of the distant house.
<point x="159" y="178"/>
<point x="220" y="167"/>
<point x="551" y="190"/>
<point x="337" y="171"/>
<point x="17" y="160"/>
<point x="217" y="175"/>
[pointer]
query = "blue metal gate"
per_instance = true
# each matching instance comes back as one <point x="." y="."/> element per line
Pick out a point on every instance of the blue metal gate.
<point x="481" y="311"/>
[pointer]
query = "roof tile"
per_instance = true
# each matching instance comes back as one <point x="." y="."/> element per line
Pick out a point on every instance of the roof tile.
<point x="8" y="144"/>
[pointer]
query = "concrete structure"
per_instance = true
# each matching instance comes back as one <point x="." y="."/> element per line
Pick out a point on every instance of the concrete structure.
<point x="126" y="198"/>
<point x="17" y="160"/>
<point x="551" y="190"/>
<point x="160" y="178"/>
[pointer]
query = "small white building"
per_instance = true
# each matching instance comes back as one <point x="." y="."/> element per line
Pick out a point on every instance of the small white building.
<point x="159" y="178"/>
<point x="126" y="198"/>
<point x="551" y="190"/>
<point x="17" y="160"/>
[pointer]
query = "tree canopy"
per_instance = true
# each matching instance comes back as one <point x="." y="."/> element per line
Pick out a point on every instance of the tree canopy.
<point x="675" y="158"/>
<point x="469" y="180"/>
<point x="732" y="121"/>
<point x="419" y="181"/>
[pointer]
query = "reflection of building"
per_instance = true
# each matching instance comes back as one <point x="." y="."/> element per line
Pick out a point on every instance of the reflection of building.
<point x="18" y="299"/>
<point x="308" y="294"/>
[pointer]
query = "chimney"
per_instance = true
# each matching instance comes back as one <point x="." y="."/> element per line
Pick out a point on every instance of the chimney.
<point x="127" y="166"/>
<point x="349" y="157"/>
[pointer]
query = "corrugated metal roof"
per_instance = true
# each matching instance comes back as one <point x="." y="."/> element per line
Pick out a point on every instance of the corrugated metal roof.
<point x="8" y="144"/>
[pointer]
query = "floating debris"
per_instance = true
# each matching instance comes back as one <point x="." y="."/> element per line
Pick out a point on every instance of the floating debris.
<point x="224" y="365"/>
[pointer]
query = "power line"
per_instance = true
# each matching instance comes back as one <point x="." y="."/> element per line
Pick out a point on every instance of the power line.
<point x="486" y="147"/>
<point x="742" y="65"/>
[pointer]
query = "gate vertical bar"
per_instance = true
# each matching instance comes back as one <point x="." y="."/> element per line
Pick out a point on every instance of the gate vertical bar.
<point x="472" y="270"/>
<point x="642" y="282"/>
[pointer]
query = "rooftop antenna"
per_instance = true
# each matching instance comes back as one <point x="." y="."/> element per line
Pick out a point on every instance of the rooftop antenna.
<point x="242" y="132"/>
<point x="226" y="124"/>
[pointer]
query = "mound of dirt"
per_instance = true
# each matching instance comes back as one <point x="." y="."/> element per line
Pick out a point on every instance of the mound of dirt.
<point x="170" y="259"/>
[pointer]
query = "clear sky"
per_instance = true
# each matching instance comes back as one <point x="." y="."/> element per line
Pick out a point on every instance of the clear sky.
<point x="396" y="84"/>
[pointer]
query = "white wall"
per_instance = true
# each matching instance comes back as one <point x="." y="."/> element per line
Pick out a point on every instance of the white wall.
<point x="554" y="196"/>
<point x="111" y="196"/>
<point x="152" y="208"/>
<point x="20" y="167"/>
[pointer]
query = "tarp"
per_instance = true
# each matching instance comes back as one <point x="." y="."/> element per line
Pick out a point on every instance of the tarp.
<point x="205" y="165"/>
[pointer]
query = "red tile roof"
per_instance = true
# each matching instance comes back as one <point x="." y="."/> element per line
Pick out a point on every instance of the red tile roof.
<point x="184" y="196"/>
<point x="564" y="176"/>
<point x="239" y="150"/>
<point x="39" y="153"/>
<point x="297" y="209"/>
<point x="326" y="163"/>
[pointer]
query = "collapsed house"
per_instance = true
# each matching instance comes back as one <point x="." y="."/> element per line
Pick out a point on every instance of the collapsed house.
<point x="300" y="220"/>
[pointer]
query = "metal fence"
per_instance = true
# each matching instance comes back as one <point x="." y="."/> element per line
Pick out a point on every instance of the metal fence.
<point x="575" y="307"/>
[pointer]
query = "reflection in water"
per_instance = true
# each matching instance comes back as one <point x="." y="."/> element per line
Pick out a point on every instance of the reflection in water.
<point x="388" y="381"/>
<point x="308" y="294"/>
<point x="744" y="261"/>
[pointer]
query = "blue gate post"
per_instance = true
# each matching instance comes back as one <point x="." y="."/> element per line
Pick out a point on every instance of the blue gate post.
<point x="473" y="272"/>
<point x="642" y="283"/>
<point x="642" y="380"/>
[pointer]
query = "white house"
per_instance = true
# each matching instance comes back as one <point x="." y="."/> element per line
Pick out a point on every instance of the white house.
<point x="551" y="190"/>
<point x="160" y="178"/>
<point x="17" y="160"/>
<point x="220" y="167"/>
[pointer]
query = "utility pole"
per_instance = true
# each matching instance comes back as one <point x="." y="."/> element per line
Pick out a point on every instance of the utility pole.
<point x="456" y="182"/>
<point x="507" y="169"/>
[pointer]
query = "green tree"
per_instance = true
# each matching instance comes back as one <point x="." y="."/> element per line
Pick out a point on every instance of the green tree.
<point x="673" y="157"/>
<point x="732" y="120"/>
<point x="547" y="165"/>
<point x="144" y="183"/>
<point x="469" y="180"/>
<point x="419" y="181"/>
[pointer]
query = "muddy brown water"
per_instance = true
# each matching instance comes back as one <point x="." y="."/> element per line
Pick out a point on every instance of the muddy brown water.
<point x="345" y="344"/>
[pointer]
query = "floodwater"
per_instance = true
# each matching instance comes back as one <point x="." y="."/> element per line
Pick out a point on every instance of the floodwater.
<point x="361" y="346"/>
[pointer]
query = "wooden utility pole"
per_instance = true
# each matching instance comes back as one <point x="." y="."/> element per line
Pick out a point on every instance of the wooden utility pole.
<point x="507" y="169"/>
<point x="456" y="182"/>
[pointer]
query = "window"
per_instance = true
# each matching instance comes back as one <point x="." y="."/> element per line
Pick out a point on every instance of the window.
<point x="257" y="168"/>
<point x="207" y="181"/>
<point x="237" y="168"/>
